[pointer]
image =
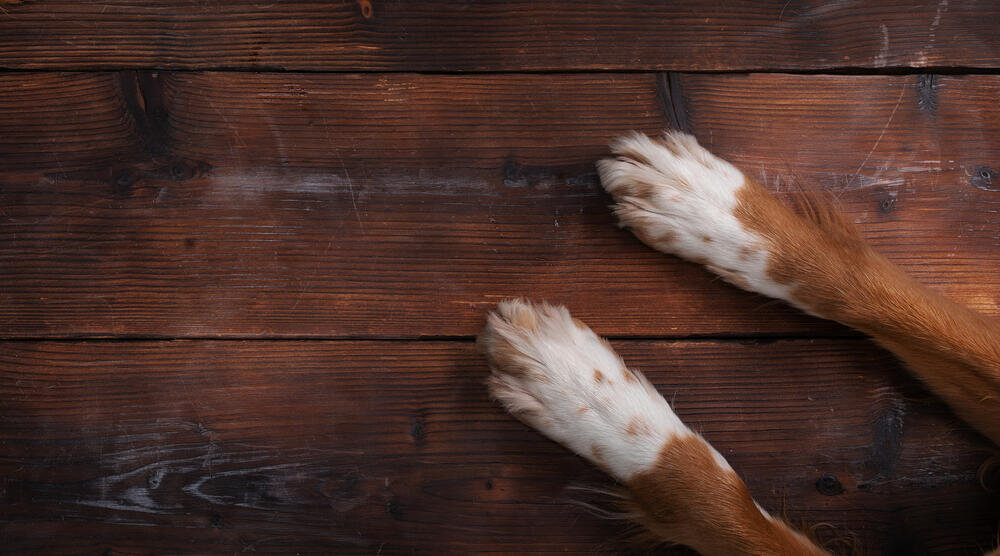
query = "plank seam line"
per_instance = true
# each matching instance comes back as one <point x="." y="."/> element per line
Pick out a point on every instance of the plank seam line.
<point x="760" y="338"/>
<point x="833" y="70"/>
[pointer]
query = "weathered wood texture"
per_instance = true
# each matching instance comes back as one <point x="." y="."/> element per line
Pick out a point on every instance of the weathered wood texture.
<point x="220" y="204"/>
<point x="361" y="447"/>
<point x="379" y="203"/>
<point x="500" y="36"/>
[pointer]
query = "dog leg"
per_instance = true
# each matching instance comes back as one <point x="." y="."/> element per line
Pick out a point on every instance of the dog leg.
<point x="554" y="374"/>
<point x="679" y="198"/>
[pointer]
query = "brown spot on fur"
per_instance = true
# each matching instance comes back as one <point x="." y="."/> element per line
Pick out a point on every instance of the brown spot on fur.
<point x="706" y="239"/>
<point x="501" y="355"/>
<point x="505" y="358"/>
<point x="666" y="236"/>
<point x="637" y="426"/>
<point x="662" y="239"/>
<point x="687" y="498"/>
<point x="598" y="454"/>
<point x="583" y="409"/>
<point x="629" y="375"/>
<point x="598" y="376"/>
<point x="523" y="316"/>
<point x="625" y="153"/>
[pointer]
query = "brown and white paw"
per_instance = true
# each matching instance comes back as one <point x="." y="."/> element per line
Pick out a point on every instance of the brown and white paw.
<point x="555" y="374"/>
<point x="679" y="198"/>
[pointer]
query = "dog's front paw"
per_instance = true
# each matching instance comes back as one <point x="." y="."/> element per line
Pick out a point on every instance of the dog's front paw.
<point x="681" y="199"/>
<point x="553" y="373"/>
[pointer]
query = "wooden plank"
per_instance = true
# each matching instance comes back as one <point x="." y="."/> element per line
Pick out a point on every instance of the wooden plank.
<point x="356" y="447"/>
<point x="218" y="204"/>
<point x="499" y="36"/>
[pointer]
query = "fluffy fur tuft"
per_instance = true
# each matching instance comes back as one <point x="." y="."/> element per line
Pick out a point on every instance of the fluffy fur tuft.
<point x="681" y="199"/>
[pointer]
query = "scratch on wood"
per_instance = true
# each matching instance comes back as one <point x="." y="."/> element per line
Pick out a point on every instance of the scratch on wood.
<point x="350" y="187"/>
<point x="882" y="134"/>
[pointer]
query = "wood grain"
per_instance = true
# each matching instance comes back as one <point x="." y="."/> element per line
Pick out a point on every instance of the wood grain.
<point x="275" y="229"/>
<point x="355" y="447"/>
<point x="216" y="204"/>
<point x="372" y="35"/>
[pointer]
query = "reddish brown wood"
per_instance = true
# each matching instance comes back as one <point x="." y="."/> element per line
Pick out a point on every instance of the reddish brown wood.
<point x="515" y="35"/>
<point x="215" y="204"/>
<point x="362" y="206"/>
<point x="352" y="447"/>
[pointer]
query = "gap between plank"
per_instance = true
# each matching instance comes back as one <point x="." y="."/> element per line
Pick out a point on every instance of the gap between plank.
<point x="756" y="338"/>
<point x="848" y="70"/>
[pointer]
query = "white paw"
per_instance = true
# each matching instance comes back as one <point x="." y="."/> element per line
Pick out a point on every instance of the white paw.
<point x="681" y="199"/>
<point x="553" y="373"/>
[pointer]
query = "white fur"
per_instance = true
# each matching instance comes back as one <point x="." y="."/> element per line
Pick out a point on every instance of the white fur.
<point x="560" y="396"/>
<point x="678" y="196"/>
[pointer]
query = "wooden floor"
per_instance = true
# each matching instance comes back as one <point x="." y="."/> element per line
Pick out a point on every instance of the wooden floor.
<point x="245" y="248"/>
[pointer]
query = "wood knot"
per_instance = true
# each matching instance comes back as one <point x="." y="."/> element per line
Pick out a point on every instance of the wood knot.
<point x="417" y="430"/>
<point x="829" y="485"/>
<point x="885" y="205"/>
<point x="394" y="508"/>
<point x="367" y="11"/>
<point x="122" y="182"/>
<point x="985" y="178"/>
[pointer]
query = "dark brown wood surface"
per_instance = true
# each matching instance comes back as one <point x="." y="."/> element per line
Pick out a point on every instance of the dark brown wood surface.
<point x="361" y="447"/>
<point x="512" y="35"/>
<point x="237" y="305"/>
<point x="255" y="205"/>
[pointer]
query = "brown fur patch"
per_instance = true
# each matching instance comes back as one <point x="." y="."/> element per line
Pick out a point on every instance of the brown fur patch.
<point x="687" y="498"/>
<point x="598" y="376"/>
<point x="835" y="274"/>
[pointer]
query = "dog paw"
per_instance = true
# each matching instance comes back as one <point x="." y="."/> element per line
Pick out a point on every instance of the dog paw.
<point x="680" y="199"/>
<point x="555" y="374"/>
